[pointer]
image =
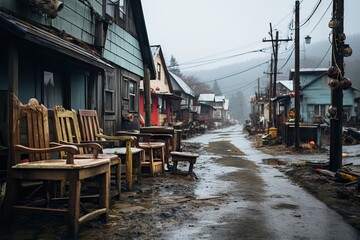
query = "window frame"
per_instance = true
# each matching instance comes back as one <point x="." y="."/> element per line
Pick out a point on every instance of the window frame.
<point x="158" y="70"/>
<point x="109" y="89"/>
<point x="132" y="96"/>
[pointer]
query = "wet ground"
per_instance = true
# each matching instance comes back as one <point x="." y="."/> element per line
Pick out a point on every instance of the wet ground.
<point x="239" y="192"/>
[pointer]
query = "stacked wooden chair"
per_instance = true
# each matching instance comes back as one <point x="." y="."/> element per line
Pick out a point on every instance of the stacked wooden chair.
<point x="91" y="132"/>
<point x="68" y="132"/>
<point x="33" y="161"/>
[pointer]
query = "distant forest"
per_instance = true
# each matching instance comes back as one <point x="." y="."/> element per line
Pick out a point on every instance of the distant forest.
<point x="240" y="87"/>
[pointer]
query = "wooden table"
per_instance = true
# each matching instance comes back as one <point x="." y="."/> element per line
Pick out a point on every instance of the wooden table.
<point x="174" y="144"/>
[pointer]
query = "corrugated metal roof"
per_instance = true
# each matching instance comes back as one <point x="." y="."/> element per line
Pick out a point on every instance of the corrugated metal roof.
<point x="206" y="97"/>
<point x="182" y="84"/>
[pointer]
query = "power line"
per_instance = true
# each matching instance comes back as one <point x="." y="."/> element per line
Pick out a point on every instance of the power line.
<point x="231" y="75"/>
<point x="209" y="61"/>
<point x="321" y="17"/>
<point x="311" y="14"/>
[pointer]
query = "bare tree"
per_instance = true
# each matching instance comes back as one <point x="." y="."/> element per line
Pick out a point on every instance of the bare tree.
<point x="197" y="86"/>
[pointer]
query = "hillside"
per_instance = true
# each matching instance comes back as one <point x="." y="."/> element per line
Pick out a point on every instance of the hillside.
<point x="238" y="83"/>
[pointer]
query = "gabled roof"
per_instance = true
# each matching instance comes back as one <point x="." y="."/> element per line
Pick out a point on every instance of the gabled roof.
<point x="219" y="98"/>
<point x="206" y="97"/>
<point x="315" y="71"/>
<point x="157" y="51"/>
<point x="182" y="85"/>
<point x="288" y="84"/>
<point x="142" y="35"/>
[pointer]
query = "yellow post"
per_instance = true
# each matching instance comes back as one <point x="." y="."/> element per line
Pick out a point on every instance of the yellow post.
<point x="129" y="167"/>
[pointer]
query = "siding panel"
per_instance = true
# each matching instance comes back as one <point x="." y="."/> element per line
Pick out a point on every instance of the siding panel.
<point x="124" y="50"/>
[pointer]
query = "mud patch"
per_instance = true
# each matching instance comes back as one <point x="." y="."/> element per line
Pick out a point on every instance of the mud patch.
<point x="285" y="206"/>
<point x="274" y="162"/>
<point x="223" y="147"/>
<point x="236" y="162"/>
<point x="328" y="192"/>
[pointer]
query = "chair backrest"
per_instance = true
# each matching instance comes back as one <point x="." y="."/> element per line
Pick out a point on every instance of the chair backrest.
<point x="31" y="118"/>
<point x="89" y="124"/>
<point x="67" y="127"/>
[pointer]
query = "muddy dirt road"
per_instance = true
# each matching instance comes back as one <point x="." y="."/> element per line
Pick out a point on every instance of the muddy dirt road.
<point x="235" y="196"/>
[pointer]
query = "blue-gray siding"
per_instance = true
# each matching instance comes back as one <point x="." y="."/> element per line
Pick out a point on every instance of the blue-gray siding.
<point x="123" y="49"/>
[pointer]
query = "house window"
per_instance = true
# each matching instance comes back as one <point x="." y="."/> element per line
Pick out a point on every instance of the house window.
<point x="319" y="110"/>
<point x="126" y="88"/>
<point x="110" y="8"/>
<point x="109" y="95"/>
<point x="132" y="96"/>
<point x="53" y="89"/>
<point x="158" y="69"/>
<point x="116" y="8"/>
<point x="122" y="8"/>
<point x="184" y="100"/>
<point x="162" y="105"/>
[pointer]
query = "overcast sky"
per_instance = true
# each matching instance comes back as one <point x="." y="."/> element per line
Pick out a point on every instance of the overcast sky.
<point x="199" y="31"/>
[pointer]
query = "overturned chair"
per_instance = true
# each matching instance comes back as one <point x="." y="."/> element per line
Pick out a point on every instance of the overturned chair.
<point x="33" y="162"/>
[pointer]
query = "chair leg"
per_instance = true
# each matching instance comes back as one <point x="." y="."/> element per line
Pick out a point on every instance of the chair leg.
<point x="163" y="158"/>
<point x="74" y="205"/>
<point x="118" y="180"/>
<point x="104" y="192"/>
<point x="151" y="159"/>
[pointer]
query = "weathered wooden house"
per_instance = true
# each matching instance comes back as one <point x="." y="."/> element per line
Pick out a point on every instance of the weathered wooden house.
<point x="315" y="96"/>
<point x="81" y="54"/>
<point x="218" y="114"/>
<point x="206" y="102"/>
<point x="183" y="109"/>
<point x="161" y="91"/>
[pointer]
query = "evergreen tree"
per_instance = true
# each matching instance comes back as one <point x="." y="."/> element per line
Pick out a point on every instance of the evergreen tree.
<point x="174" y="66"/>
<point x="216" y="89"/>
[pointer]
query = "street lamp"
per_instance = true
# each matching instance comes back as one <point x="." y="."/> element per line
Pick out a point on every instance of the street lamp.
<point x="307" y="39"/>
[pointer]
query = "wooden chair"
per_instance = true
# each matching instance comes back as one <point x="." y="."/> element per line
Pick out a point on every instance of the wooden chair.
<point x="39" y="166"/>
<point x="91" y="132"/>
<point x="68" y="132"/>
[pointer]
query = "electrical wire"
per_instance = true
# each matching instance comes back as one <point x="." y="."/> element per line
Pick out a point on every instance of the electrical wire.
<point x="311" y="14"/>
<point x="323" y="57"/>
<point x="327" y="9"/>
<point x="287" y="60"/>
<point x="209" y="61"/>
<point x="231" y="75"/>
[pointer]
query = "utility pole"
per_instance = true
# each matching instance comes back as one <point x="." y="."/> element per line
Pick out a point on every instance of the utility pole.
<point x="269" y="95"/>
<point x="336" y="93"/>
<point x="147" y="96"/>
<point x="297" y="78"/>
<point x="275" y="50"/>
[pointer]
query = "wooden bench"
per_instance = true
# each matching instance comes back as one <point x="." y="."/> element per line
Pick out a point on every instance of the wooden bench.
<point x="183" y="157"/>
